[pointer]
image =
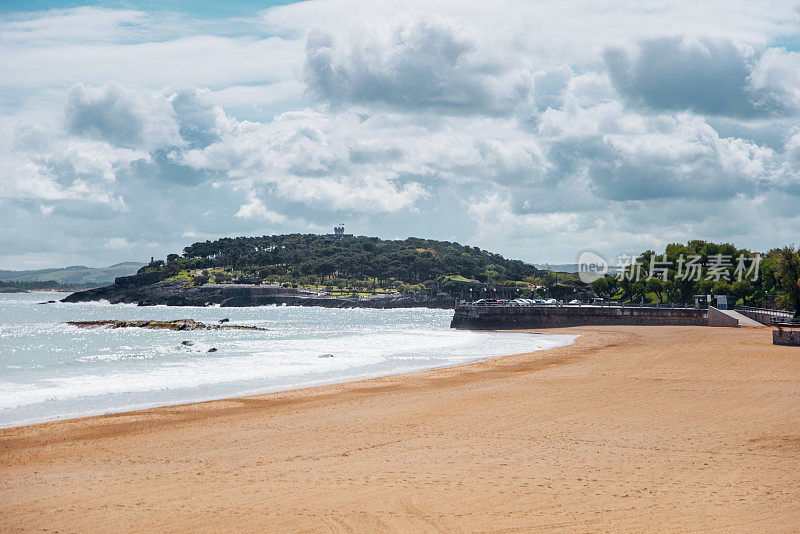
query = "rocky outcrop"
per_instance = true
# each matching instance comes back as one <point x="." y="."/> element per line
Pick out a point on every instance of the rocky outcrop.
<point x="171" y="293"/>
<point x="133" y="290"/>
<point x="179" y="324"/>
<point x="787" y="334"/>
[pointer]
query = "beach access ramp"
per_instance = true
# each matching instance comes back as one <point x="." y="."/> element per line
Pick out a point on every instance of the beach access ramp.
<point x="743" y="320"/>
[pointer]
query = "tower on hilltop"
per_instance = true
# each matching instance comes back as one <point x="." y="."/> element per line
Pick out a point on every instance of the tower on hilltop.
<point x="338" y="232"/>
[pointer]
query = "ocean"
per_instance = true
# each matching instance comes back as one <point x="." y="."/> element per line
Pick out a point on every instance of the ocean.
<point x="50" y="370"/>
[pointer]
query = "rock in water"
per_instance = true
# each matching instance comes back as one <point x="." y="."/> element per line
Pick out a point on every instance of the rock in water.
<point x="187" y="343"/>
<point x="181" y="324"/>
<point x="212" y="349"/>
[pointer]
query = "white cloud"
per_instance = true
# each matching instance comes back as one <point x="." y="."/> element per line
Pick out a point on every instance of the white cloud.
<point x="530" y="128"/>
<point x="708" y="77"/>
<point x="120" y="116"/>
<point x="420" y="62"/>
<point x="674" y="74"/>
<point x="86" y="24"/>
<point x="93" y="45"/>
<point x="255" y="209"/>
<point x="495" y="213"/>
<point x="776" y="78"/>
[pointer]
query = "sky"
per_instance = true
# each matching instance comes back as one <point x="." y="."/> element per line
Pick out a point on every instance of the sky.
<point x="535" y="129"/>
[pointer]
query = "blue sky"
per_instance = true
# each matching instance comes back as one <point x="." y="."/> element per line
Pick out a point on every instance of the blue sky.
<point x="537" y="130"/>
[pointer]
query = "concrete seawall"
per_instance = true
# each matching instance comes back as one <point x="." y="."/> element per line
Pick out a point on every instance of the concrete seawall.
<point x="787" y="335"/>
<point x="515" y="317"/>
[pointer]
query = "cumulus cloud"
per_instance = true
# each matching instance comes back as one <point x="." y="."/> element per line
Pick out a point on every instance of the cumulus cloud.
<point x="421" y="62"/>
<point x="254" y="208"/>
<point x="315" y="159"/>
<point x="706" y="76"/>
<point x="120" y="116"/>
<point x="200" y="121"/>
<point x="144" y="119"/>
<point x="37" y="182"/>
<point x="494" y="213"/>
<point x="676" y="74"/>
<point x="665" y="157"/>
<point x="522" y="127"/>
<point x="776" y="79"/>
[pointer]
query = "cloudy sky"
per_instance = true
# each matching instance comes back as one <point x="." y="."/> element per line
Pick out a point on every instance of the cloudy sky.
<point x="533" y="129"/>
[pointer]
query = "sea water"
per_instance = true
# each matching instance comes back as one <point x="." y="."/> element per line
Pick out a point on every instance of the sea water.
<point x="51" y="370"/>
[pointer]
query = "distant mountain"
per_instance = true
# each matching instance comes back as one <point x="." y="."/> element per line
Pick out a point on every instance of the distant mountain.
<point x="558" y="267"/>
<point x="76" y="274"/>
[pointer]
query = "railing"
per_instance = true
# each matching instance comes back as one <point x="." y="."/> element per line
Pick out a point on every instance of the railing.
<point x="505" y="304"/>
<point x="665" y="305"/>
<point x="765" y="315"/>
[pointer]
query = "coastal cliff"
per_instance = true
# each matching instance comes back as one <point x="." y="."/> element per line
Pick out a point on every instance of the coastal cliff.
<point x="146" y="289"/>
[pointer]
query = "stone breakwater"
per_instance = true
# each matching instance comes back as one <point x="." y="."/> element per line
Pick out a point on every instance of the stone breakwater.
<point x="179" y="324"/>
<point x="517" y="317"/>
<point x="786" y="334"/>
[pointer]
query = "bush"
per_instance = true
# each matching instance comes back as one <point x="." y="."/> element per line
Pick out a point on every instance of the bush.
<point x="222" y="277"/>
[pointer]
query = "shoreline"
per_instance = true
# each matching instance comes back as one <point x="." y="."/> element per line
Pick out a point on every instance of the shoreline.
<point x="132" y="410"/>
<point x="292" y="392"/>
<point x="627" y="428"/>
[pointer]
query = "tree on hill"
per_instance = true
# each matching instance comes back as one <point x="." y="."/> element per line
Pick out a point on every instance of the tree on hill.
<point x="787" y="274"/>
<point x="411" y="261"/>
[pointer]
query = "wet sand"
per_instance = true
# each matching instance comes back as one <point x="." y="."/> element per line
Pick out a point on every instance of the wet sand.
<point x="630" y="428"/>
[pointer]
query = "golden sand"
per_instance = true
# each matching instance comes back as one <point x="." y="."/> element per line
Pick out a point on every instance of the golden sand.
<point x="631" y="428"/>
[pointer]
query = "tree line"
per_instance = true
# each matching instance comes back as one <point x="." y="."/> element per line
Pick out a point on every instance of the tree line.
<point x="704" y="268"/>
<point x="410" y="261"/>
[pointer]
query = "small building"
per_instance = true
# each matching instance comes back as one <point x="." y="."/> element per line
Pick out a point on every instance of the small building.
<point x="338" y="232"/>
<point x="725" y="302"/>
<point x="721" y="302"/>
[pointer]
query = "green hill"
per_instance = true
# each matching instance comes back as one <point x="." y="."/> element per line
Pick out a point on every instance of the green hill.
<point x="76" y="274"/>
<point x="318" y="259"/>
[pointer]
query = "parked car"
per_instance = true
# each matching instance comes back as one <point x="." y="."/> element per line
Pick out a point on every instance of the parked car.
<point x="575" y="301"/>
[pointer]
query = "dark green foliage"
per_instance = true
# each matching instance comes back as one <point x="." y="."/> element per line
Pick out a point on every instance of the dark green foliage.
<point x="787" y="275"/>
<point x="18" y="287"/>
<point x="777" y="276"/>
<point x="32" y="285"/>
<point x="411" y="261"/>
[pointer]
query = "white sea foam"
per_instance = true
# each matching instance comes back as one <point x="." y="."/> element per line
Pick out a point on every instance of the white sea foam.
<point x="50" y="370"/>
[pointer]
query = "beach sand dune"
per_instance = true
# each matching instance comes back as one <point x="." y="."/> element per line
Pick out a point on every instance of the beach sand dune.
<point x="630" y="428"/>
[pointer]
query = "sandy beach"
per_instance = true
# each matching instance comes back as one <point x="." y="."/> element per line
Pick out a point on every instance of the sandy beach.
<point x="630" y="428"/>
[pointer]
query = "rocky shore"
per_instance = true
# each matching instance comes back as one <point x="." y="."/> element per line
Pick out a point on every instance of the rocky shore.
<point x="148" y="290"/>
<point x="179" y="324"/>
